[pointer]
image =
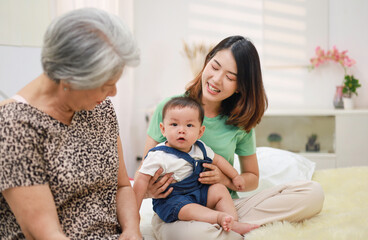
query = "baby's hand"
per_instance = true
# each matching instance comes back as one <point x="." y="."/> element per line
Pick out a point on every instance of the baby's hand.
<point x="239" y="183"/>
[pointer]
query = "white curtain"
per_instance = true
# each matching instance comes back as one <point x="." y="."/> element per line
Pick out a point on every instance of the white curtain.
<point x="59" y="7"/>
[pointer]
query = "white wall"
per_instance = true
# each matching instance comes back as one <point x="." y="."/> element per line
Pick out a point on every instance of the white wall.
<point x="348" y="30"/>
<point x="23" y="22"/>
<point x="160" y="26"/>
<point x="18" y="65"/>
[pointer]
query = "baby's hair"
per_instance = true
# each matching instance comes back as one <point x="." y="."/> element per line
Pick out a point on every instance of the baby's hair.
<point x="182" y="102"/>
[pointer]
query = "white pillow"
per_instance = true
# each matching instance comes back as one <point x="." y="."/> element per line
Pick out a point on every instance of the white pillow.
<point x="277" y="167"/>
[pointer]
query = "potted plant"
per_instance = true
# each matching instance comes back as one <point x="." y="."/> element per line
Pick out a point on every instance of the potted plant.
<point x="275" y="140"/>
<point x="349" y="84"/>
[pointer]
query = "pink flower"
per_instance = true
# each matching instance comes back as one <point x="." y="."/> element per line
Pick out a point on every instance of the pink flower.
<point x="331" y="55"/>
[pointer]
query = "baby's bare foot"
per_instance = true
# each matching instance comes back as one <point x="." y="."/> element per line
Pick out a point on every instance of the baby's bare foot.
<point x="243" y="228"/>
<point x="226" y="221"/>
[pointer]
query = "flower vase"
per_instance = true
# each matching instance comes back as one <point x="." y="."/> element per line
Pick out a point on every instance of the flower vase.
<point x="337" y="101"/>
<point x="348" y="102"/>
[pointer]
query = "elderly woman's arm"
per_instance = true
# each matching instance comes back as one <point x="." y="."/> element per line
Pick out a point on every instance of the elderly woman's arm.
<point x="35" y="211"/>
<point x="127" y="209"/>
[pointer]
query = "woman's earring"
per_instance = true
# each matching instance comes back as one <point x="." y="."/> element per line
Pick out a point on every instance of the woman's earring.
<point x="65" y="89"/>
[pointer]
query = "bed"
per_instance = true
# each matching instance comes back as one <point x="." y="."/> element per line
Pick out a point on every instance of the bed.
<point x="345" y="211"/>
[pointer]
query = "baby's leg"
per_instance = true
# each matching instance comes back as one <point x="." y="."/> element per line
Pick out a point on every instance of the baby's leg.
<point x="201" y="213"/>
<point x="219" y="199"/>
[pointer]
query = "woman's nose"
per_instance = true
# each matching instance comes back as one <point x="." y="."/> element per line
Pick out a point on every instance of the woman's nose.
<point x="217" y="78"/>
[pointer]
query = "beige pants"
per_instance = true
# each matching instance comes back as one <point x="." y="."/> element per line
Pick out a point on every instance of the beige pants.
<point x="291" y="202"/>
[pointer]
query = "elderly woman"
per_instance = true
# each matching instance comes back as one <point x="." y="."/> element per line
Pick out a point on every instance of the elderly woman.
<point x="62" y="173"/>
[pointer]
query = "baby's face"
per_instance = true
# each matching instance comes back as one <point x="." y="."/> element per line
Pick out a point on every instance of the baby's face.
<point x="182" y="128"/>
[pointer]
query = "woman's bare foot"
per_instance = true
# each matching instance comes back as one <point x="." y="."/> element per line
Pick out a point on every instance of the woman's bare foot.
<point x="243" y="228"/>
<point x="226" y="221"/>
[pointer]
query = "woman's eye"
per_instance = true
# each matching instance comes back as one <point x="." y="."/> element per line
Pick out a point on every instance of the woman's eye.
<point x="230" y="78"/>
<point x="214" y="68"/>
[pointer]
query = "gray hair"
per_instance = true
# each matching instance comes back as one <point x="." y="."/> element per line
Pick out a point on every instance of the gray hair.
<point x="87" y="47"/>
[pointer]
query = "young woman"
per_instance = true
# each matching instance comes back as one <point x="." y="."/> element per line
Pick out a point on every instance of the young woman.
<point x="231" y="91"/>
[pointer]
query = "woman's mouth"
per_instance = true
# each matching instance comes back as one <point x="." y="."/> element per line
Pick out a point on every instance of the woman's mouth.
<point x="212" y="89"/>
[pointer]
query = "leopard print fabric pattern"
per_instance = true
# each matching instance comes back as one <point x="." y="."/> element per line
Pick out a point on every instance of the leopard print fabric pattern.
<point x="79" y="162"/>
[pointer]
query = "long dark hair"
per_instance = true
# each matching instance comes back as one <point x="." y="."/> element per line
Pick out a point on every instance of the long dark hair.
<point x="245" y="108"/>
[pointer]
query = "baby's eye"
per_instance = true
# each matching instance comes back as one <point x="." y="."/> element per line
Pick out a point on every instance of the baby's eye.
<point x="173" y="124"/>
<point x="190" y="125"/>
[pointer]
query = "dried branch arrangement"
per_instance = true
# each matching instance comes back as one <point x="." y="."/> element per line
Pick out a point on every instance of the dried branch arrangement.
<point x="196" y="54"/>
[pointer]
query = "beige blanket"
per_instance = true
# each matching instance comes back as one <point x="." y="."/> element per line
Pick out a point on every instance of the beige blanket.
<point x="344" y="215"/>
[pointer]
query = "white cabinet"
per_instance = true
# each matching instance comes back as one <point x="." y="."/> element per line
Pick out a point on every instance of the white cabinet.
<point x="351" y="139"/>
<point x="341" y="134"/>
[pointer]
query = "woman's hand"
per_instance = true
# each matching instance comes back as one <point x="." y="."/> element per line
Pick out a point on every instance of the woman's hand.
<point x="212" y="175"/>
<point x="156" y="188"/>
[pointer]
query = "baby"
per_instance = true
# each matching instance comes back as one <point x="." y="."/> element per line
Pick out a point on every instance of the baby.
<point x="183" y="155"/>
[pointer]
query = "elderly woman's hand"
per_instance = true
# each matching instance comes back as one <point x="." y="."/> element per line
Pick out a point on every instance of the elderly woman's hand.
<point x="130" y="235"/>
<point x="156" y="188"/>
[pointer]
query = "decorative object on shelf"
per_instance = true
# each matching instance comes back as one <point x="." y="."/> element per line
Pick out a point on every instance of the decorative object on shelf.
<point x="275" y="140"/>
<point x="196" y="54"/>
<point x="348" y="103"/>
<point x="312" y="145"/>
<point x="349" y="84"/>
<point x="338" y="98"/>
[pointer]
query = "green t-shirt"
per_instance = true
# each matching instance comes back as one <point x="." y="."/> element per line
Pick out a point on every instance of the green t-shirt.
<point x="225" y="140"/>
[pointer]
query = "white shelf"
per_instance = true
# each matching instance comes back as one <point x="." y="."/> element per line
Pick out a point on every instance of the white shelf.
<point x="341" y="134"/>
<point x="313" y="112"/>
<point x="318" y="154"/>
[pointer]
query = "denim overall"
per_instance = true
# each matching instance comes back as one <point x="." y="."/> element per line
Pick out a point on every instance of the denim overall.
<point x="187" y="191"/>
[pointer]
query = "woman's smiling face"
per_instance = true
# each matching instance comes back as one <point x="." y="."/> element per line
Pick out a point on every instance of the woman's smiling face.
<point x="219" y="77"/>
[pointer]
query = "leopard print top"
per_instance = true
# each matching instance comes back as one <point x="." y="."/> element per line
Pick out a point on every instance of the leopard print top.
<point x="79" y="162"/>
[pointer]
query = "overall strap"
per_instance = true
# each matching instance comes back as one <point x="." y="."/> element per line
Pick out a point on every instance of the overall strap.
<point x="175" y="152"/>
<point x="203" y="149"/>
